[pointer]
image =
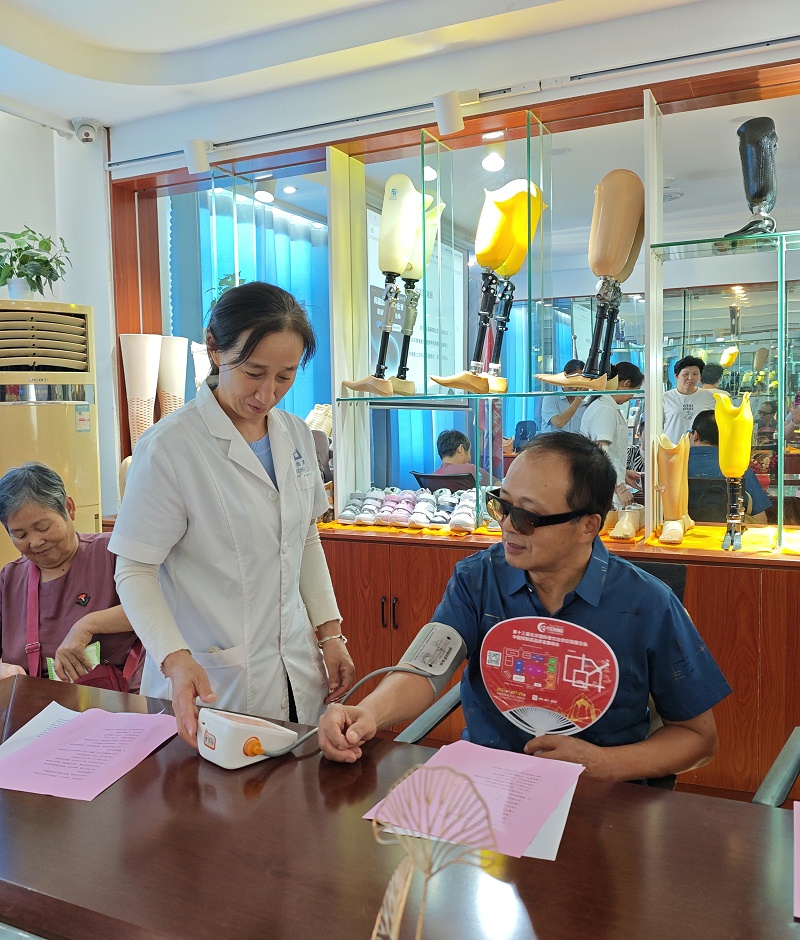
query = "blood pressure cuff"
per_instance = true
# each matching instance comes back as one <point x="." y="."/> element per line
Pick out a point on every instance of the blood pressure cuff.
<point x="437" y="650"/>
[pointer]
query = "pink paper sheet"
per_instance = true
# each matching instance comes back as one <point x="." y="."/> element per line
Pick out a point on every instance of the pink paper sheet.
<point x="83" y="757"/>
<point x="520" y="790"/>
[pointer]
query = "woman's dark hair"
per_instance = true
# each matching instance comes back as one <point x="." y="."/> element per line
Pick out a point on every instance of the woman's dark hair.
<point x="31" y="483"/>
<point x="257" y="309"/>
<point x="628" y="372"/>
<point x="592" y="475"/>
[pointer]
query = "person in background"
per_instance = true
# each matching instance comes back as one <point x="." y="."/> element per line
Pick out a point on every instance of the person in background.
<point x="704" y="463"/>
<point x="682" y="403"/>
<point x="767" y="423"/>
<point x="455" y="452"/>
<point x="77" y="598"/>
<point x="711" y="376"/>
<point x="552" y="563"/>
<point x="604" y="423"/>
<point x="221" y="569"/>
<point x="565" y="412"/>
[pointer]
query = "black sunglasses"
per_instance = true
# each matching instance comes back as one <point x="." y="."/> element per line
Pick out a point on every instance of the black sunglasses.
<point x="523" y="521"/>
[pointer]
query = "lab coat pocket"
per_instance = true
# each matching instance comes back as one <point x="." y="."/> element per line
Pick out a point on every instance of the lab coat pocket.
<point x="228" y="676"/>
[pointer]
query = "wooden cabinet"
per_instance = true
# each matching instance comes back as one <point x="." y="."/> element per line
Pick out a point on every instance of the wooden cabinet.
<point x="386" y="592"/>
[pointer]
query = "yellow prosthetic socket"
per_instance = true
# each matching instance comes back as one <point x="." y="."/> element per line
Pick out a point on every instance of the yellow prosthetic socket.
<point x="729" y="356"/>
<point x="502" y="240"/>
<point x="735" y="426"/>
<point x="671" y="462"/>
<point x="502" y="237"/>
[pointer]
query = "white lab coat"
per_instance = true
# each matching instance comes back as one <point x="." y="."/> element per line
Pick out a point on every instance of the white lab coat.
<point x="229" y="545"/>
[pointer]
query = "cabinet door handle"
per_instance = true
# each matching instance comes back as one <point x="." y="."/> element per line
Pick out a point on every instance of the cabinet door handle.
<point x="383" y="611"/>
<point x="394" y="614"/>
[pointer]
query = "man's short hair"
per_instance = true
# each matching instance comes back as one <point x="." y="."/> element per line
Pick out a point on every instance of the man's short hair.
<point x="592" y="475"/>
<point x="705" y="424"/>
<point x="449" y="441"/>
<point x="687" y="362"/>
<point x="712" y="373"/>
<point x="574" y="367"/>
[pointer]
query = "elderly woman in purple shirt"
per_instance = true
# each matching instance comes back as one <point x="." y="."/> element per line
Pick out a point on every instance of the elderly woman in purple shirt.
<point x="71" y="575"/>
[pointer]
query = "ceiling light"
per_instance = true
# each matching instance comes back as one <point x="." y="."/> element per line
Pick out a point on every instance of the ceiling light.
<point x="493" y="135"/>
<point x="318" y="225"/>
<point x="493" y="162"/>
<point x="289" y="190"/>
<point x="265" y="191"/>
<point x="429" y="174"/>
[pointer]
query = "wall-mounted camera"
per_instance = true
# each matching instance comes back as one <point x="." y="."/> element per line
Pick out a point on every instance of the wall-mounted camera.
<point x="86" y="130"/>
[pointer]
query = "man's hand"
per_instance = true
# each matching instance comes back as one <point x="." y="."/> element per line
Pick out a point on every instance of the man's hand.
<point x="339" y="667"/>
<point x="570" y="749"/>
<point x="70" y="659"/>
<point x="8" y="669"/>
<point x="342" y="731"/>
<point x="189" y="681"/>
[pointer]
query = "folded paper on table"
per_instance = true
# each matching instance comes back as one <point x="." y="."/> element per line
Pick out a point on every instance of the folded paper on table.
<point x="522" y="793"/>
<point x="84" y="756"/>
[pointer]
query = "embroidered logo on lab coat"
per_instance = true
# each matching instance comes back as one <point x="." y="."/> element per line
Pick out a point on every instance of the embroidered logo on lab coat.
<point x="300" y="467"/>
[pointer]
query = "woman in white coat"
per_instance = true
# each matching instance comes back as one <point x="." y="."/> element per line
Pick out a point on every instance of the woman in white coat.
<point x="221" y="570"/>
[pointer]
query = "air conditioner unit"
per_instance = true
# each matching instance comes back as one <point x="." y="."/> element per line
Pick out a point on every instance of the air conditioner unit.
<point x="48" y="408"/>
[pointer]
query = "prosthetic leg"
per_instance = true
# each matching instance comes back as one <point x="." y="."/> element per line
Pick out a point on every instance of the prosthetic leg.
<point x="630" y="520"/>
<point x="735" y="434"/>
<point x="757" y="143"/>
<point x="401" y="220"/>
<point x="418" y="264"/>
<point x="614" y="244"/>
<point x="501" y="246"/>
<point x="672" y="461"/>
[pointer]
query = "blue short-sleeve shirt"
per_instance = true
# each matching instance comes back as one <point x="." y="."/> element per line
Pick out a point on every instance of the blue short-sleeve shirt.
<point x="658" y="649"/>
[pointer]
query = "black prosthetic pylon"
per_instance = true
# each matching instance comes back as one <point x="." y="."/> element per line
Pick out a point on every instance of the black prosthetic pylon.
<point x="608" y="298"/>
<point x="488" y="297"/>
<point x="390" y="296"/>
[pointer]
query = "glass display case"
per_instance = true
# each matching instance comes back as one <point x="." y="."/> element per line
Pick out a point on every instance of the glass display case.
<point x="749" y="323"/>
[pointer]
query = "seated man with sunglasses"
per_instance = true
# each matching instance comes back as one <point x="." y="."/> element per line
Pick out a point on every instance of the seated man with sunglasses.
<point x="551" y="563"/>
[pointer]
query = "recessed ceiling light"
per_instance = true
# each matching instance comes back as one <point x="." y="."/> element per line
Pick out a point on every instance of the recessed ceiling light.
<point x="493" y="162"/>
<point x="289" y="190"/>
<point x="560" y="151"/>
<point x="429" y="174"/>
<point x="318" y="225"/>
<point x="493" y="135"/>
<point x="263" y="195"/>
<point x="263" y="176"/>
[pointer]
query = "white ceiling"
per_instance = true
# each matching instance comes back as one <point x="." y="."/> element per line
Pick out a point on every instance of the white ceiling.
<point x="119" y="62"/>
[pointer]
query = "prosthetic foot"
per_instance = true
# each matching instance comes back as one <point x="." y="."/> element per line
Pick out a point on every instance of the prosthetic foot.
<point x="580" y="381"/>
<point x="612" y="517"/>
<point x="614" y="244"/>
<point x="758" y="141"/>
<point x="630" y="521"/>
<point x="735" y="435"/>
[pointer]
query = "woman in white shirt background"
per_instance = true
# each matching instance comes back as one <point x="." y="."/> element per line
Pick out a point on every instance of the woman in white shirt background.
<point x="220" y="567"/>
<point x="604" y="423"/>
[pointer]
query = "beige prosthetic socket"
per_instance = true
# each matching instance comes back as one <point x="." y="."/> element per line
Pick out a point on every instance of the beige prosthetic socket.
<point x="617" y="225"/>
<point x="172" y="373"/>
<point x="141" y="355"/>
<point x="612" y="517"/>
<point x="671" y="460"/>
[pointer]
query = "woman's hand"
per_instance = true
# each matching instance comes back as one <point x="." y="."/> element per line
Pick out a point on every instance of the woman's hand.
<point x="70" y="657"/>
<point x="189" y="681"/>
<point x="339" y="667"/>
<point x="9" y="669"/>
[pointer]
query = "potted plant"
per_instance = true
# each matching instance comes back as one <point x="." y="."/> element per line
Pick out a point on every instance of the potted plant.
<point x="29" y="260"/>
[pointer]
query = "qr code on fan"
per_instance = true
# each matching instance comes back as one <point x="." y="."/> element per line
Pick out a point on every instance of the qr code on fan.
<point x="493" y="659"/>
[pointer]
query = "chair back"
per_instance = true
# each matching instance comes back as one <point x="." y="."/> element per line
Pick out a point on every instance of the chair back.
<point x="453" y="481"/>
<point x="525" y="430"/>
<point x="708" y="499"/>
<point x="323" y="446"/>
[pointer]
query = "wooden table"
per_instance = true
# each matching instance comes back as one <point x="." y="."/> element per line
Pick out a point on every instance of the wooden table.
<point x="180" y="848"/>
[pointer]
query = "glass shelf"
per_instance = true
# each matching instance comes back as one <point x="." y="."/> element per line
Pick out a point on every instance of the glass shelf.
<point x="442" y="401"/>
<point x="721" y="247"/>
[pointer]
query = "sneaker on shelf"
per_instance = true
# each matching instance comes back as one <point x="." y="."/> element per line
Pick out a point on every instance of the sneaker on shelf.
<point x="372" y="503"/>
<point x="354" y="503"/>
<point x="388" y="506"/>
<point x="423" y="511"/>
<point x="445" y="506"/>
<point x="463" y="519"/>
<point x="404" y="509"/>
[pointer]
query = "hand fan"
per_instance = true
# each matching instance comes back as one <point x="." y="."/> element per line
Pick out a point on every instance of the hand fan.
<point x="548" y="676"/>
